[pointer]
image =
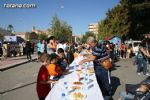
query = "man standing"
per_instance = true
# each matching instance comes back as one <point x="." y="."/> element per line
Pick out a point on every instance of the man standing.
<point x="99" y="54"/>
<point x="38" y="50"/>
<point x="28" y="50"/>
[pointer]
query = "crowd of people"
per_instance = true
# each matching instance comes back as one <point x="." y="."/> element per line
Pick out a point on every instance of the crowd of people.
<point x="57" y="55"/>
<point x="55" y="58"/>
<point x="61" y="54"/>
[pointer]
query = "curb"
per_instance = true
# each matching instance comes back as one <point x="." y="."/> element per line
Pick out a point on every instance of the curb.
<point x="15" y="65"/>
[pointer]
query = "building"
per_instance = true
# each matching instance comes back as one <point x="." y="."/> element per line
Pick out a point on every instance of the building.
<point x="39" y="31"/>
<point x="93" y="27"/>
<point x="20" y="34"/>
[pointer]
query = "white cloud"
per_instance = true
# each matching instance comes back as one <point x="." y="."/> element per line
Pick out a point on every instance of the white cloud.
<point x="62" y="7"/>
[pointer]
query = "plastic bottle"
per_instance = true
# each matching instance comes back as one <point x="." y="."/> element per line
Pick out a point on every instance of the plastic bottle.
<point x="63" y="96"/>
<point x="66" y="88"/>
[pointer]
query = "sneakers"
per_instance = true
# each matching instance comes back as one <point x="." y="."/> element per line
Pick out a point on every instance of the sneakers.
<point x="139" y="73"/>
<point x="147" y="74"/>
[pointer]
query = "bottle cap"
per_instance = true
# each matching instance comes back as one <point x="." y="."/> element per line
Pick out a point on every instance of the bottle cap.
<point x="65" y="83"/>
<point x="63" y="95"/>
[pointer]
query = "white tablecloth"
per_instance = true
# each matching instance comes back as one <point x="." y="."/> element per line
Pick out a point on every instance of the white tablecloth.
<point x="93" y="93"/>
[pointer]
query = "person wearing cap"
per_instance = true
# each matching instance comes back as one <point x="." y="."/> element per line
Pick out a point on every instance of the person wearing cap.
<point x="102" y="75"/>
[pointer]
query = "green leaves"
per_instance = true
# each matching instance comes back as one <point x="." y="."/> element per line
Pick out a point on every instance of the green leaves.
<point x="129" y="18"/>
<point x="31" y="35"/>
<point x="42" y="36"/>
<point x="85" y="36"/>
<point x="60" y="29"/>
<point x="10" y="28"/>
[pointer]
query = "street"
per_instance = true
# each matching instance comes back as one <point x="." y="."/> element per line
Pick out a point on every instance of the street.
<point x="19" y="83"/>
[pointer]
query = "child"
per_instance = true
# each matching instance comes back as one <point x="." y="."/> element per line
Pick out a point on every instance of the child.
<point x="140" y="92"/>
<point x="62" y="61"/>
<point x="43" y="82"/>
<point x="53" y="69"/>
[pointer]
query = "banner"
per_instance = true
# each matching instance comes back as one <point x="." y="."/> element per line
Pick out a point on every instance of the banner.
<point x="10" y="38"/>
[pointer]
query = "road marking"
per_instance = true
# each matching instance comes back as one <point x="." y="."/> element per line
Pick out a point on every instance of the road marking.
<point x="18" y="85"/>
<point x="4" y="94"/>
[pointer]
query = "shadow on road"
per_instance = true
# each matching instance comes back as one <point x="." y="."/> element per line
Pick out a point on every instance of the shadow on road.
<point x="115" y="83"/>
<point x="114" y="67"/>
<point x="17" y="88"/>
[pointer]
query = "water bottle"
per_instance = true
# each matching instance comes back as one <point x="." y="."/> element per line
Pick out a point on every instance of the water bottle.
<point x="85" y="83"/>
<point x="86" y="65"/>
<point x="63" y="96"/>
<point x="86" y="78"/>
<point x="66" y="88"/>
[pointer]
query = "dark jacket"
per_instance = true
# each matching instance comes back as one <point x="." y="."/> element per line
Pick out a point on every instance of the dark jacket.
<point x="28" y="45"/>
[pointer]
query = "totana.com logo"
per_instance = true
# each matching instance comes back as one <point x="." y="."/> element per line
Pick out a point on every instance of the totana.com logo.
<point x="20" y="6"/>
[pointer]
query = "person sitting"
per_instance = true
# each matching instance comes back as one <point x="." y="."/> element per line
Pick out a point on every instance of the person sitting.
<point x="43" y="86"/>
<point x="54" y="70"/>
<point x="141" y="92"/>
<point x="62" y="60"/>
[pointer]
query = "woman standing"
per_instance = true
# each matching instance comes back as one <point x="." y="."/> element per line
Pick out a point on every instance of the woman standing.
<point x="51" y="46"/>
<point x="142" y="58"/>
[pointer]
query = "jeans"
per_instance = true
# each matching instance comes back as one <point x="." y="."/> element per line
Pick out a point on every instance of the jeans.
<point x="102" y="77"/>
<point x="125" y="96"/>
<point x="28" y="54"/>
<point x="142" y="63"/>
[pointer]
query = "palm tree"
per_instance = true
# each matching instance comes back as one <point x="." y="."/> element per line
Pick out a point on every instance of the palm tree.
<point x="10" y="28"/>
<point x="1" y="36"/>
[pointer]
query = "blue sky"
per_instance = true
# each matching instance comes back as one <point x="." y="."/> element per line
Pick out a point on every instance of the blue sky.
<point x="77" y="13"/>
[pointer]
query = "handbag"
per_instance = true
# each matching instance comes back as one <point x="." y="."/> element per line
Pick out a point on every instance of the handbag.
<point x="106" y="64"/>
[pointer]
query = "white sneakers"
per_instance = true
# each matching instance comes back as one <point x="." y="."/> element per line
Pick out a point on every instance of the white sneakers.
<point x="147" y="74"/>
<point x="139" y="73"/>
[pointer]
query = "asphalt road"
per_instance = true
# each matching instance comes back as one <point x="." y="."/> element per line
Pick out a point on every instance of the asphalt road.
<point x="19" y="83"/>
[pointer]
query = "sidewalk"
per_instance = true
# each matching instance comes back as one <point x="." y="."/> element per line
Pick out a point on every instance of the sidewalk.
<point x="14" y="61"/>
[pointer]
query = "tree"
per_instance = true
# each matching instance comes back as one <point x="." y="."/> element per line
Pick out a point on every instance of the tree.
<point x="42" y="36"/>
<point x="31" y="35"/>
<point x="10" y="28"/>
<point x="1" y="36"/>
<point x="86" y="35"/>
<point x="102" y="31"/>
<point x="117" y="21"/>
<point x="61" y="30"/>
<point x="130" y="19"/>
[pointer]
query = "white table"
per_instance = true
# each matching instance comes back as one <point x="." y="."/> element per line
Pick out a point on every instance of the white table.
<point x="93" y="93"/>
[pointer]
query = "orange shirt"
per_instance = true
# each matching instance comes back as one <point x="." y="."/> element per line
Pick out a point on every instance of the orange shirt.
<point x="75" y="55"/>
<point x="54" y="70"/>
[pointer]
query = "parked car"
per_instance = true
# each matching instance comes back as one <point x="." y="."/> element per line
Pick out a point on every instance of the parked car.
<point x="134" y="44"/>
<point x="13" y="48"/>
<point x="1" y="50"/>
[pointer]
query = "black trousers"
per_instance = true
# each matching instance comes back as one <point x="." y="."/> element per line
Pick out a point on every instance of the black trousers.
<point x="28" y="52"/>
<point x="102" y="77"/>
<point x="41" y="98"/>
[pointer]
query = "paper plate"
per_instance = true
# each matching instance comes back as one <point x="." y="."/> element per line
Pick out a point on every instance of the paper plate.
<point x="77" y="96"/>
